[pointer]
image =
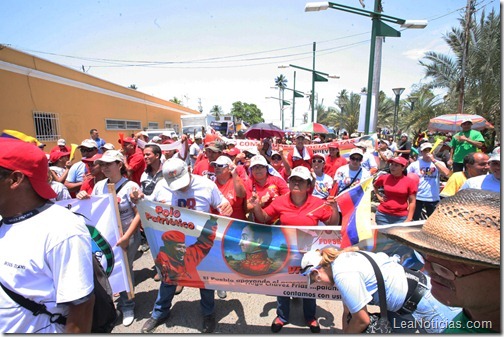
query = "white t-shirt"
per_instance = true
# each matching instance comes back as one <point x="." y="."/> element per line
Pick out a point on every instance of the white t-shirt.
<point x="201" y="195"/>
<point x="194" y="150"/>
<point x="428" y="185"/>
<point x="323" y="186"/>
<point x="355" y="278"/>
<point x="485" y="182"/>
<point x="126" y="206"/>
<point x="368" y="161"/>
<point x="344" y="176"/>
<point x="46" y="258"/>
<point x="60" y="190"/>
<point x="58" y="170"/>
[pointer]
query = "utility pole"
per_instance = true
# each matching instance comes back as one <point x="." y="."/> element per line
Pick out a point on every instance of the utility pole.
<point x="465" y="50"/>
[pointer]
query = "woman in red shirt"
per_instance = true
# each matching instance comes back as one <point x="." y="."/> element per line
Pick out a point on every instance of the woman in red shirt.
<point x="230" y="185"/>
<point x="296" y="208"/>
<point x="266" y="186"/>
<point x="399" y="199"/>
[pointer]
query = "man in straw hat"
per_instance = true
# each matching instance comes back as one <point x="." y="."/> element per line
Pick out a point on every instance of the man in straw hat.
<point x="460" y="245"/>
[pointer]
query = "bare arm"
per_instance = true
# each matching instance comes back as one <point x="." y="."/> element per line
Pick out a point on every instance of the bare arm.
<point x="80" y="317"/>
<point x="259" y="214"/>
<point x="411" y="207"/>
<point x="358" y="323"/>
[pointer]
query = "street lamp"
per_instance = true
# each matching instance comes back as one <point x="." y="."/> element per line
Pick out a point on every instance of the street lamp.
<point x="295" y="94"/>
<point x="413" y="100"/>
<point x="397" y="92"/>
<point x="283" y="102"/>
<point x="378" y="29"/>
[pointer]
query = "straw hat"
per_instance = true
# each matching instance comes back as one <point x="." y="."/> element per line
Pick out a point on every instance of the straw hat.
<point x="463" y="228"/>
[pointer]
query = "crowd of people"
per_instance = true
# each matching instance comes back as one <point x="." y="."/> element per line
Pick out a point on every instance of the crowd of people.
<point x="266" y="184"/>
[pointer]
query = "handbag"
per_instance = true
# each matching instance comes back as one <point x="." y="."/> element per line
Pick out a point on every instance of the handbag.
<point x="378" y="323"/>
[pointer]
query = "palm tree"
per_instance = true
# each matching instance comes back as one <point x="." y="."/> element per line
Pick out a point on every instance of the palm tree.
<point x="281" y="84"/>
<point x="176" y="100"/>
<point x="216" y="111"/>
<point x="349" y="109"/>
<point x="386" y="107"/>
<point x="427" y="106"/>
<point x="483" y="70"/>
<point x="133" y="86"/>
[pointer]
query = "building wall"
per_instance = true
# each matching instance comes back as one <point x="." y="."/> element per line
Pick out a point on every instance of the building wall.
<point x="80" y="101"/>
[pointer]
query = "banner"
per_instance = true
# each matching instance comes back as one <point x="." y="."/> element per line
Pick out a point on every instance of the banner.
<point x="197" y="249"/>
<point x="101" y="220"/>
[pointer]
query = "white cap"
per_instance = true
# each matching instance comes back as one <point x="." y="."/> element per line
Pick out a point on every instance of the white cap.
<point x="89" y="143"/>
<point x="166" y="134"/>
<point x="111" y="156"/>
<point x="223" y="160"/>
<point x="301" y="172"/>
<point x="108" y="146"/>
<point x="425" y="145"/>
<point x="356" y="150"/>
<point x="176" y="174"/>
<point x="311" y="260"/>
<point x="466" y="120"/>
<point x="61" y="142"/>
<point x="404" y="135"/>
<point x="231" y="142"/>
<point x="198" y="136"/>
<point x="252" y="150"/>
<point x="143" y="133"/>
<point x="156" y="139"/>
<point x="384" y="141"/>
<point x="494" y="157"/>
<point x="258" y="160"/>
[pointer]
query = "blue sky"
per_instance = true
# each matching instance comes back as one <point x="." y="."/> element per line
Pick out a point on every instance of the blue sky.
<point x="243" y="43"/>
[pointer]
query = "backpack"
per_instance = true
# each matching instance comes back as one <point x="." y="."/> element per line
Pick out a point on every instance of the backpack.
<point x="104" y="311"/>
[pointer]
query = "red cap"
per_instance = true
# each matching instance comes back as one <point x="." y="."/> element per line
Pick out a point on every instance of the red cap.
<point x="56" y="155"/>
<point x="168" y="141"/>
<point x="173" y="236"/>
<point x="333" y="145"/>
<point x="232" y="152"/>
<point x="28" y="159"/>
<point x="128" y="140"/>
<point x="92" y="159"/>
<point x="399" y="160"/>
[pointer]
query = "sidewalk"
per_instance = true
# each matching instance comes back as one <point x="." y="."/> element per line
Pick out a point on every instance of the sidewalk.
<point x="239" y="313"/>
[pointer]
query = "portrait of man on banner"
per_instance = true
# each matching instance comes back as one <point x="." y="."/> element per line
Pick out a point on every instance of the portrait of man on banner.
<point x="254" y="250"/>
<point x="178" y="263"/>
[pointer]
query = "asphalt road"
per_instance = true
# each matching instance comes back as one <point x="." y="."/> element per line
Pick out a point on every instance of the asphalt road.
<point x="239" y="313"/>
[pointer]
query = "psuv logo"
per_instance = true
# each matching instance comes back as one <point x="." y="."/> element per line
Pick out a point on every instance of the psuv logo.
<point x="294" y="269"/>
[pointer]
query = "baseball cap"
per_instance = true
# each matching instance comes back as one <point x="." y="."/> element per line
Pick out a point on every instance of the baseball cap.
<point x="356" y="150"/>
<point x="215" y="146"/>
<point x="318" y="155"/>
<point x="384" y="141"/>
<point x="27" y="158"/>
<point x="222" y="160"/>
<point x="299" y="134"/>
<point x="61" y="142"/>
<point x="275" y="153"/>
<point x="166" y="134"/>
<point x="466" y="120"/>
<point x="399" y="160"/>
<point x="176" y="174"/>
<point x="156" y="139"/>
<point x="232" y="152"/>
<point x="404" y="135"/>
<point x="425" y="145"/>
<point x="92" y="159"/>
<point x="258" y="160"/>
<point x="89" y="143"/>
<point x="494" y="157"/>
<point x="301" y="172"/>
<point x="56" y="155"/>
<point x="108" y="146"/>
<point x="231" y="142"/>
<point x="360" y="144"/>
<point x="110" y="156"/>
<point x="333" y="145"/>
<point x="173" y="236"/>
<point x="252" y="150"/>
<point x="311" y="260"/>
<point x="198" y="136"/>
<point x="127" y="140"/>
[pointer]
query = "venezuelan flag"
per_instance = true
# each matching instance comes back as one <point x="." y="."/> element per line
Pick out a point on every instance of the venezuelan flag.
<point x="355" y="206"/>
<point x="19" y="135"/>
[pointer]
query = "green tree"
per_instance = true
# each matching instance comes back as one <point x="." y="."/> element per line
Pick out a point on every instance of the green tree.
<point x="176" y="100"/>
<point x="281" y="84"/>
<point x="483" y="68"/>
<point x="216" y="111"/>
<point x="386" y="108"/>
<point x="426" y="107"/>
<point x="349" y="108"/>
<point x="248" y="113"/>
<point x="133" y="86"/>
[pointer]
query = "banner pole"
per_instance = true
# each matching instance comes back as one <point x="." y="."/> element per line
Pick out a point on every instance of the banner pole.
<point x="111" y="190"/>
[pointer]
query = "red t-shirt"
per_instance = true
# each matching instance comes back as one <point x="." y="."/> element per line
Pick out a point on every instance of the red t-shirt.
<point x="291" y="215"/>
<point x="87" y="185"/>
<point x="136" y="163"/>
<point x="274" y="185"/>
<point x="332" y="165"/>
<point x="203" y="168"/>
<point x="237" y="203"/>
<point x="397" y="192"/>
<point x="300" y="162"/>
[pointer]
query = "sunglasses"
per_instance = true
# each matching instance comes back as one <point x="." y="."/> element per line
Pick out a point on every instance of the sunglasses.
<point x="219" y="165"/>
<point x="297" y="181"/>
<point x="356" y="158"/>
<point x="445" y="272"/>
<point x="258" y="167"/>
<point x="85" y="149"/>
<point x="249" y="155"/>
<point x="318" y="161"/>
<point x="105" y="164"/>
<point x="276" y="158"/>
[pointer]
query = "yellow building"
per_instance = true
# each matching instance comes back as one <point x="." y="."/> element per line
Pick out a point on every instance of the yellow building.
<point x="50" y="101"/>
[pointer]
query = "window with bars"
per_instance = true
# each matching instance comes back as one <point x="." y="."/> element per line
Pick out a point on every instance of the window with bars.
<point x="118" y="124"/>
<point x="46" y="126"/>
<point x="153" y="125"/>
<point x="167" y="124"/>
